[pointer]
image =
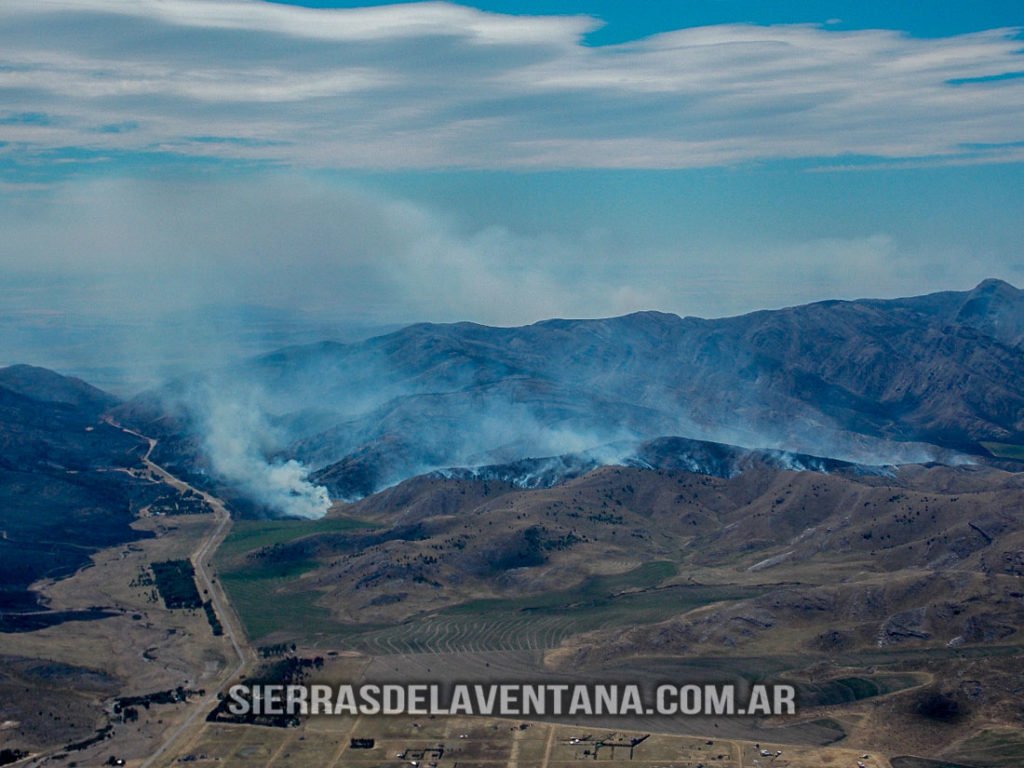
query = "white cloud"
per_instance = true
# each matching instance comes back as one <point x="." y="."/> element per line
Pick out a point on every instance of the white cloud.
<point x="440" y="85"/>
<point x="382" y="22"/>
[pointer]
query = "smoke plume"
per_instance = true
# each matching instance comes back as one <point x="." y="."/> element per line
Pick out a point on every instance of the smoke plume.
<point x="239" y="443"/>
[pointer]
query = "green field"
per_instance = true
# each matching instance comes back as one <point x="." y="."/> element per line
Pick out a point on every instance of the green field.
<point x="249" y="535"/>
<point x="265" y="606"/>
<point x="998" y="748"/>
<point x="849" y="689"/>
<point x="265" y="593"/>
<point x="1005" y="450"/>
<point x="542" y="621"/>
<point x="262" y="591"/>
<point x="922" y="762"/>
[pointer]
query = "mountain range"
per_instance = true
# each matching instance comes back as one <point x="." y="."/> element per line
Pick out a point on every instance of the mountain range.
<point x="870" y="381"/>
<point x="828" y="492"/>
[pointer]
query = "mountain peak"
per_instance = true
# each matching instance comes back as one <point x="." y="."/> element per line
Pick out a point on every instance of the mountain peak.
<point x="992" y="285"/>
<point x="996" y="308"/>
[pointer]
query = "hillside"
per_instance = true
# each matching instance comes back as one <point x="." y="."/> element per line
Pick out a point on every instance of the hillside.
<point x="49" y="387"/>
<point x="60" y="501"/>
<point x="870" y="381"/>
<point x="902" y="578"/>
<point x="440" y="540"/>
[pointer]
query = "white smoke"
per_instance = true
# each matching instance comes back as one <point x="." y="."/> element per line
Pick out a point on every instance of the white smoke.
<point x="237" y="439"/>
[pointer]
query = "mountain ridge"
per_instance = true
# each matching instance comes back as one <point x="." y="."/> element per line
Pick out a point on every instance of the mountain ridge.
<point x="870" y="381"/>
<point x="65" y="486"/>
<point x="44" y="385"/>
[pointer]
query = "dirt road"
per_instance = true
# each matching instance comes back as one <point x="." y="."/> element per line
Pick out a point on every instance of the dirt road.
<point x="244" y="654"/>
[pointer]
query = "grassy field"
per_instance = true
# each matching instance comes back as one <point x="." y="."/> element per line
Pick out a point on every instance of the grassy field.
<point x="1005" y="450"/>
<point x="849" y="689"/>
<point x="998" y="748"/>
<point x="249" y="535"/>
<point x="921" y="762"/>
<point x="542" y="621"/>
<point x="263" y="591"/>
<point x="265" y="607"/>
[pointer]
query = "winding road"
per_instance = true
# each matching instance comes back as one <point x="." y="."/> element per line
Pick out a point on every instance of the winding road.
<point x="244" y="654"/>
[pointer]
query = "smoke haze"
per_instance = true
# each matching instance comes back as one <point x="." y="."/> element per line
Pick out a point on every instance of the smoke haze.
<point x="130" y="283"/>
<point x="237" y="439"/>
<point x="335" y="254"/>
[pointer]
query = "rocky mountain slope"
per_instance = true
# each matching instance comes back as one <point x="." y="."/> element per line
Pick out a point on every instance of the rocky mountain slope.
<point x="870" y="381"/>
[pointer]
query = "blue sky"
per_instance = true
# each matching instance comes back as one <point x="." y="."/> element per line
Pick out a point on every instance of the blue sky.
<point x="503" y="161"/>
<point x="628" y="21"/>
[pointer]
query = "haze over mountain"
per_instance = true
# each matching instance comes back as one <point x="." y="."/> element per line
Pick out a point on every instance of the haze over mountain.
<point x="868" y="381"/>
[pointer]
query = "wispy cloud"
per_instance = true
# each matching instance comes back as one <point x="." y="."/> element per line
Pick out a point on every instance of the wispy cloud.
<point x="438" y="85"/>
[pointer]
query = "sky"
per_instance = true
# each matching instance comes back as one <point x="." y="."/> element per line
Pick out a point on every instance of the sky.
<point x="343" y="164"/>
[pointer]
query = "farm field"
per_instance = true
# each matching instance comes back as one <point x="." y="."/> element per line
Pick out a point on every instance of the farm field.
<point x="248" y="535"/>
<point x="272" y="601"/>
<point x="259" y="589"/>
<point x="998" y="747"/>
<point x="544" y="621"/>
<point x="855" y="698"/>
